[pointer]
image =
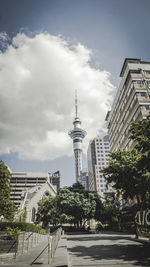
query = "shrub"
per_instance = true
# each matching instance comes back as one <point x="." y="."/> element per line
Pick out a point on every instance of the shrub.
<point x="13" y="233"/>
<point x="22" y="226"/>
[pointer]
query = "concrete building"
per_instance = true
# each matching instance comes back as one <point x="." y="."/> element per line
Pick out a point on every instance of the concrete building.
<point x="132" y="102"/>
<point x="84" y="179"/>
<point x="54" y="179"/>
<point x="77" y="134"/>
<point x="98" y="159"/>
<point x="28" y="188"/>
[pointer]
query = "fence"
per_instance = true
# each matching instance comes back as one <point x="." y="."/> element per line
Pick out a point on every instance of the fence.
<point x="53" y="240"/>
<point x="19" y="244"/>
<point x="15" y="245"/>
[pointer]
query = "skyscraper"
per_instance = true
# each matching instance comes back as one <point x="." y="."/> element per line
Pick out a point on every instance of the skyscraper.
<point x="132" y="102"/>
<point x="77" y="134"/>
<point x="98" y="158"/>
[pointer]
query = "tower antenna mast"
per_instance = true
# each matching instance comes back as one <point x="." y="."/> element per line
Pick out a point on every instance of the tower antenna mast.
<point x="76" y="104"/>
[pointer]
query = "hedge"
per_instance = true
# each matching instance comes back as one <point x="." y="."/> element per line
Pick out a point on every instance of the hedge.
<point x="22" y="226"/>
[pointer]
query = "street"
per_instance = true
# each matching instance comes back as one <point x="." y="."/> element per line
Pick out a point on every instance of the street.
<point x="107" y="250"/>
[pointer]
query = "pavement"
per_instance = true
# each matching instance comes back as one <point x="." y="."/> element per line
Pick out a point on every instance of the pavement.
<point x="90" y="250"/>
<point x="107" y="250"/>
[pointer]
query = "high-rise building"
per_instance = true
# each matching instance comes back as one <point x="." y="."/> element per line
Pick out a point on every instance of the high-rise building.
<point x="131" y="104"/>
<point x="77" y="134"/>
<point x="84" y="178"/>
<point x="98" y="159"/>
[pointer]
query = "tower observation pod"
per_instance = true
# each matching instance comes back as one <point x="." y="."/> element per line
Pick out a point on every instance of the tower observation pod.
<point x="77" y="134"/>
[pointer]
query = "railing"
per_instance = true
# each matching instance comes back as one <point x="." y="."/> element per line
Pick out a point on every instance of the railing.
<point x="9" y="243"/>
<point x="53" y="240"/>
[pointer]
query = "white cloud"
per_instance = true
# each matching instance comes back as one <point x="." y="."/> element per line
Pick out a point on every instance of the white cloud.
<point x="38" y="78"/>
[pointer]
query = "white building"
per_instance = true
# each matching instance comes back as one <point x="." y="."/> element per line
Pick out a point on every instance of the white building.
<point x="28" y="188"/>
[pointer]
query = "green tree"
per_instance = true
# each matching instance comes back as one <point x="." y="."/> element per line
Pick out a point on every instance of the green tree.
<point x="77" y="205"/>
<point x="110" y="213"/>
<point x="47" y="211"/>
<point x="71" y="205"/>
<point x="7" y="207"/>
<point x="128" y="177"/>
<point x="140" y="133"/>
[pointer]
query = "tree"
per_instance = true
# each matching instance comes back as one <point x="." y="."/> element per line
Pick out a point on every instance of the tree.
<point x="47" y="211"/>
<point x="71" y="205"/>
<point x="127" y="175"/>
<point x="75" y="207"/>
<point x="111" y="212"/>
<point x="140" y="133"/>
<point x="7" y="207"/>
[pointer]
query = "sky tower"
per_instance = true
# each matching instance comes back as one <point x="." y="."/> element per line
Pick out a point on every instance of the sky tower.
<point x="77" y="134"/>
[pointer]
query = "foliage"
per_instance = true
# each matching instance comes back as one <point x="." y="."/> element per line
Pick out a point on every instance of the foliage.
<point x="22" y="226"/>
<point x="7" y="207"/>
<point x="77" y="205"/>
<point x="71" y="205"/>
<point x="13" y="232"/>
<point x="127" y="175"/>
<point x="140" y="133"/>
<point x="111" y="215"/>
<point x="77" y="187"/>
<point x="23" y="216"/>
<point x="47" y="211"/>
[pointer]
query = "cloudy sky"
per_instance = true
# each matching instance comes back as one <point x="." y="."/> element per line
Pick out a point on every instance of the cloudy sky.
<point x="49" y="48"/>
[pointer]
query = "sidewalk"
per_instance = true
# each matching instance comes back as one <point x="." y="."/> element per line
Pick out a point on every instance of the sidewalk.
<point x="61" y="254"/>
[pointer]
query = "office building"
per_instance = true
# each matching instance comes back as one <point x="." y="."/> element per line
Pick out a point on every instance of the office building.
<point x="131" y="104"/>
<point x="54" y="179"/>
<point x="84" y="179"/>
<point x="98" y="159"/>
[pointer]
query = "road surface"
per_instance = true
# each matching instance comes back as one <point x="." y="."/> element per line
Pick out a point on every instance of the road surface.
<point x="107" y="250"/>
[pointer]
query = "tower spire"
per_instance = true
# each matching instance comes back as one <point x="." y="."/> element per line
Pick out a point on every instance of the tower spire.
<point x="77" y="134"/>
<point x="76" y="104"/>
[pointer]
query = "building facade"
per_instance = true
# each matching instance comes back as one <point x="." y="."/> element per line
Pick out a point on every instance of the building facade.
<point x="28" y="188"/>
<point x="54" y="179"/>
<point x="98" y="159"/>
<point x="84" y="177"/>
<point x="131" y="104"/>
<point x="77" y="134"/>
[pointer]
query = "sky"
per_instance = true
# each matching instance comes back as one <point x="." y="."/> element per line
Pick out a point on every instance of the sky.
<point x="49" y="49"/>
